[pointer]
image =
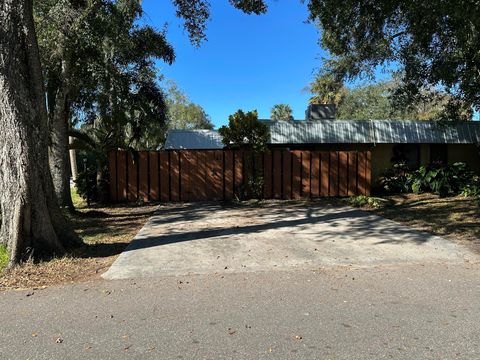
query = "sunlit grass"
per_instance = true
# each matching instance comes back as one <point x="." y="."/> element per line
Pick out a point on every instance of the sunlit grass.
<point x="3" y="258"/>
<point x="77" y="200"/>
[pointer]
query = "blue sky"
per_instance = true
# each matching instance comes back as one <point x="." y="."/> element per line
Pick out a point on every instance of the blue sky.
<point x="249" y="62"/>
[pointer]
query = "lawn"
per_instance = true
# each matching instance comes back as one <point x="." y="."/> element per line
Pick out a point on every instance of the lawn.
<point x="456" y="218"/>
<point x="105" y="233"/>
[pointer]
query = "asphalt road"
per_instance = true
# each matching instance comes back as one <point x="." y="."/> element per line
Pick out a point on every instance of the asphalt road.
<point x="382" y="312"/>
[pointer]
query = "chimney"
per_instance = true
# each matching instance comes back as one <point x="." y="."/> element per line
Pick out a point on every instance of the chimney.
<point x="317" y="112"/>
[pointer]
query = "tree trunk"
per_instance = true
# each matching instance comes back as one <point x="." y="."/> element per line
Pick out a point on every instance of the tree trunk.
<point x="31" y="218"/>
<point x="59" y="156"/>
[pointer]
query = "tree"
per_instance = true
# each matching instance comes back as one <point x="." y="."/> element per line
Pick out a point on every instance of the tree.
<point x="433" y="43"/>
<point x="31" y="217"/>
<point x="327" y="90"/>
<point x="97" y="62"/>
<point x="245" y="131"/>
<point x="182" y="113"/>
<point x="375" y="101"/>
<point x="281" y="112"/>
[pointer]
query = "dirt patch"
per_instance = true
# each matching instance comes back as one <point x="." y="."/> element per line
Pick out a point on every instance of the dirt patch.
<point x="105" y="233"/>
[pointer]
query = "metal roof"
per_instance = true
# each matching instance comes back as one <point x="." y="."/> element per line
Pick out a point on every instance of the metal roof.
<point x="341" y="132"/>
<point x="193" y="139"/>
<point x="373" y="131"/>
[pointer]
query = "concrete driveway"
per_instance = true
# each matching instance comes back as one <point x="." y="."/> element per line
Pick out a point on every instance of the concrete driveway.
<point x="206" y="238"/>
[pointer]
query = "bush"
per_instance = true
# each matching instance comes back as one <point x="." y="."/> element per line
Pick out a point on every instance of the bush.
<point x="443" y="180"/>
<point x="397" y="180"/>
<point x="362" y="200"/>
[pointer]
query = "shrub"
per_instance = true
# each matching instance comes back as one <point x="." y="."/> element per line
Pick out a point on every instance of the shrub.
<point x="397" y="180"/>
<point x="443" y="180"/>
<point x="472" y="189"/>
<point x="362" y="200"/>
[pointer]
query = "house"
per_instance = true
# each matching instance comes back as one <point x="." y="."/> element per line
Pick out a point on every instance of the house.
<point x="193" y="140"/>
<point x="415" y="142"/>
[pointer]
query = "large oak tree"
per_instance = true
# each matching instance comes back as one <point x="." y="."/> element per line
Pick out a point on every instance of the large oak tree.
<point x="32" y="220"/>
<point x="434" y="44"/>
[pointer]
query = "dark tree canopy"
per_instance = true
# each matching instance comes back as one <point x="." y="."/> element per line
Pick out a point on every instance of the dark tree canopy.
<point x="245" y="131"/>
<point x="196" y="13"/>
<point x="434" y="44"/>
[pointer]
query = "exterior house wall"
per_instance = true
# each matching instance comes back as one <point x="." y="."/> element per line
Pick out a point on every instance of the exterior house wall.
<point x="381" y="160"/>
<point x="383" y="153"/>
<point x="469" y="154"/>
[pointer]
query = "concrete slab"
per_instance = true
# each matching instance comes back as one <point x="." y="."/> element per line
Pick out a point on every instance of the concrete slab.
<point x="211" y="238"/>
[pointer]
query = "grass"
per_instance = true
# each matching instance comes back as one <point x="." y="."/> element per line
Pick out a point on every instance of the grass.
<point x="456" y="218"/>
<point x="105" y="233"/>
<point x="3" y="258"/>
<point x="77" y="200"/>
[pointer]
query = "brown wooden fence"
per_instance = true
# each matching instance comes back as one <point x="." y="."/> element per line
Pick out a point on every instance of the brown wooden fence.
<point x="192" y="175"/>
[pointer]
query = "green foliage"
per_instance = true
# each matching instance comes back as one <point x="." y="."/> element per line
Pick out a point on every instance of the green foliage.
<point x="362" y="201"/>
<point x="397" y="180"/>
<point x="182" y="113"/>
<point x="281" y="112"/>
<point x="433" y="44"/>
<point x="327" y="89"/>
<point x="4" y="258"/>
<point x="443" y="180"/>
<point x="376" y="101"/>
<point x="245" y="131"/>
<point x="196" y="14"/>
<point x="472" y="189"/>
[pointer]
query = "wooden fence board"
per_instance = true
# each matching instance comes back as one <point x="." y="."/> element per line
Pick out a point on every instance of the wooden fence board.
<point x="306" y="174"/>
<point x="185" y="168"/>
<point x="296" y="174"/>
<point x="201" y="176"/>
<point x="143" y="180"/>
<point x="164" y="176"/>
<point x="217" y="175"/>
<point x="267" y="175"/>
<point x="132" y="177"/>
<point x="315" y="175"/>
<point x="343" y="174"/>
<point x="324" y="173"/>
<point x="361" y="183"/>
<point x="154" y="174"/>
<point x="238" y="171"/>
<point x="277" y="174"/>
<point x="287" y="175"/>
<point x="228" y="171"/>
<point x="333" y="174"/>
<point x="368" y="173"/>
<point x="122" y="180"/>
<point x="112" y="170"/>
<point x="352" y="173"/>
